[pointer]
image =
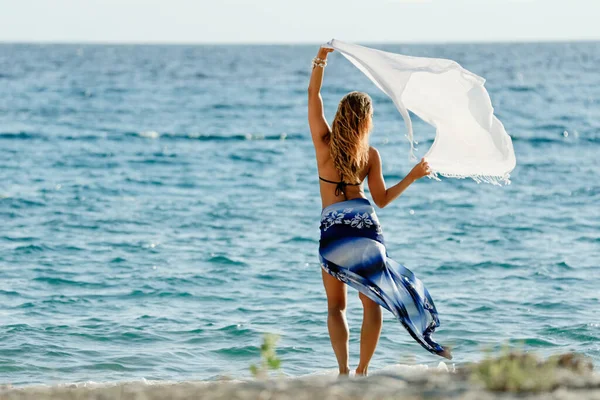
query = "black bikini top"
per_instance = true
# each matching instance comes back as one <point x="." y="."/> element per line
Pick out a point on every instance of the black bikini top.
<point x="340" y="187"/>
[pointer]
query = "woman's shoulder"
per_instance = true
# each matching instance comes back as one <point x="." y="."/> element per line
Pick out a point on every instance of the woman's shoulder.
<point x="374" y="160"/>
<point x="373" y="154"/>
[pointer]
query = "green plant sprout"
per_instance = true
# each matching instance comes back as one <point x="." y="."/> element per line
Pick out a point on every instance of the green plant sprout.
<point x="269" y="359"/>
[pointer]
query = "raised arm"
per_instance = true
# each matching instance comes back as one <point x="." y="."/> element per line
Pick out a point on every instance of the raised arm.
<point x="316" y="117"/>
<point x="382" y="196"/>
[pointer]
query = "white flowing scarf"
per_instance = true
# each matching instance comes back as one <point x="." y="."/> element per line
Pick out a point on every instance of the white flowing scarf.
<point x="470" y="142"/>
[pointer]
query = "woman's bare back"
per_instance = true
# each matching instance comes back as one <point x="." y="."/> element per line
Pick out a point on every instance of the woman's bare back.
<point x="328" y="190"/>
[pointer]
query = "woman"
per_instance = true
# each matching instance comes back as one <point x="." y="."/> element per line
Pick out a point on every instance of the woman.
<point x="352" y="249"/>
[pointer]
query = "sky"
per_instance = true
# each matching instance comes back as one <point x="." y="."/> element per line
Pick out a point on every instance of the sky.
<point x="293" y="21"/>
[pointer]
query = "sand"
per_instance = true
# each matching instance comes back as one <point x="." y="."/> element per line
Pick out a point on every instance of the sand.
<point x="398" y="384"/>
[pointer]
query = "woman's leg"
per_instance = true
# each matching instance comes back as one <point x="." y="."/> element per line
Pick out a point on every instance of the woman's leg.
<point x="336" y="320"/>
<point x="369" y="333"/>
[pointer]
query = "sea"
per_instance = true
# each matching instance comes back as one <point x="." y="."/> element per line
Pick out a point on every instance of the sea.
<point x="159" y="212"/>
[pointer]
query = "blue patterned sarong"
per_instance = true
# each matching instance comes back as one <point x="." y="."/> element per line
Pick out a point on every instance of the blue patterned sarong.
<point x="353" y="251"/>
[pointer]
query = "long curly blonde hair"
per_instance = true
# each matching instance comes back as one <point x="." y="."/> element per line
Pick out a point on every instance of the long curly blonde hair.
<point x="348" y="140"/>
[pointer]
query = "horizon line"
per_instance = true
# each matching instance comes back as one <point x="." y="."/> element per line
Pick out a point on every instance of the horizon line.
<point x="296" y="43"/>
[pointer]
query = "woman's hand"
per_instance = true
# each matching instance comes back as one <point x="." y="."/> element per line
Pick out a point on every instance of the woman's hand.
<point x="420" y="170"/>
<point x="323" y="51"/>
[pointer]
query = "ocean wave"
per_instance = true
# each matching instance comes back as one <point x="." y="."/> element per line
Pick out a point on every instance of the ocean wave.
<point x="22" y="136"/>
<point x="156" y="293"/>
<point x="17" y="328"/>
<point x="562" y="135"/>
<point x="224" y="260"/>
<point x="22" y="203"/>
<point x="111" y="337"/>
<point x="259" y="107"/>
<point x="521" y="88"/>
<point x="213" y="138"/>
<point x="150" y="135"/>
<point x="67" y="282"/>
<point x="300" y="239"/>
<point x="9" y="293"/>
<point x="32" y="248"/>
<point x="237" y="351"/>
<point x="475" y="266"/>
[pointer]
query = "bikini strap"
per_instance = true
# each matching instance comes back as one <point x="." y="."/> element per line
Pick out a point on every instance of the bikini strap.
<point x="340" y="187"/>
